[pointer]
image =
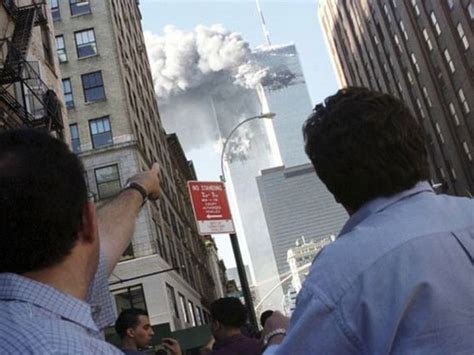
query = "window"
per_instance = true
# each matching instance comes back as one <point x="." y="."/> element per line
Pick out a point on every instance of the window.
<point x="427" y="39"/>
<point x="462" y="35"/>
<point x="93" y="86"/>
<point x="79" y="7"/>
<point x="184" y="310"/>
<point x="415" y="63"/>
<point x="75" y="141"/>
<point x="454" y="114"/>
<point x="394" y="3"/>
<point x="450" y="4"/>
<point x="85" y="43"/>
<point x="415" y="7"/>
<point x="385" y="9"/>
<point x="199" y="316"/>
<point x="427" y="96"/>
<point x="449" y="60"/>
<point x="61" y="49"/>
<point x="129" y="297"/>
<point x="192" y="312"/>
<point x="55" y="10"/>
<point x="402" y="27"/>
<point x="67" y="88"/>
<point x="410" y="78"/>
<point x="101" y="132"/>
<point x="463" y="100"/>
<point x="470" y="10"/>
<point x="108" y="181"/>
<point x="467" y="151"/>
<point x="397" y="41"/>
<point x="435" y="23"/>
<point x="420" y="108"/>
<point x="440" y="134"/>
<point x="172" y="301"/>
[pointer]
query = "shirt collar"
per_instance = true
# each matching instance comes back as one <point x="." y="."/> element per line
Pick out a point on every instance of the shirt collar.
<point x="14" y="287"/>
<point x="381" y="203"/>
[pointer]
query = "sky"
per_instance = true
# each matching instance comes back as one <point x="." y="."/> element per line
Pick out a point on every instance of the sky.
<point x="290" y="21"/>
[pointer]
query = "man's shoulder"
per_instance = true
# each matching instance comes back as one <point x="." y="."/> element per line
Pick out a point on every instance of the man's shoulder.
<point x="390" y="232"/>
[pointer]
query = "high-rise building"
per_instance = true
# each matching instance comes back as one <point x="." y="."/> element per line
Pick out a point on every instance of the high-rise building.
<point x="285" y="93"/>
<point x="30" y="89"/>
<point x="116" y="131"/>
<point x="297" y="204"/>
<point x="421" y="52"/>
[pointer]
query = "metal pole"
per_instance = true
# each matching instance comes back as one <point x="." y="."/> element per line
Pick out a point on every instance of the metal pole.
<point x="243" y="280"/>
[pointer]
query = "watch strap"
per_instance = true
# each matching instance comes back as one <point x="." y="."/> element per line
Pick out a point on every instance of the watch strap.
<point x="139" y="188"/>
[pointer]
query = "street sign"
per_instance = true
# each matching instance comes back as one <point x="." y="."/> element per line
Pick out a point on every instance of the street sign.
<point x="210" y="207"/>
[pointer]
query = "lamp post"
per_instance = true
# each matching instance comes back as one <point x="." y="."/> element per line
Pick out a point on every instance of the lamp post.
<point x="233" y="236"/>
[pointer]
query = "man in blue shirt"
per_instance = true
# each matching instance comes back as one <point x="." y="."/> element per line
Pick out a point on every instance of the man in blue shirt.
<point x="400" y="276"/>
<point x="54" y="294"/>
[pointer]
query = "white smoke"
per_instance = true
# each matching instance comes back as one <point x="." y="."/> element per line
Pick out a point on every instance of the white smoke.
<point x="181" y="60"/>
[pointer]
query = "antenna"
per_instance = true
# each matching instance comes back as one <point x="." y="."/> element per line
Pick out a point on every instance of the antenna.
<point x="266" y="33"/>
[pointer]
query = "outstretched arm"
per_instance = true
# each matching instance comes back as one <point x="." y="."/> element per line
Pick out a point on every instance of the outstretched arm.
<point x="116" y="219"/>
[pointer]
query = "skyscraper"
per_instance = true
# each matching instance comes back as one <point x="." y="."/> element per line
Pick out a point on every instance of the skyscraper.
<point x="421" y="52"/>
<point x="116" y="131"/>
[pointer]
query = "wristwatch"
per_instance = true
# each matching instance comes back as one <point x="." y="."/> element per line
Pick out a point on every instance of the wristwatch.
<point x="272" y="334"/>
<point x="139" y="188"/>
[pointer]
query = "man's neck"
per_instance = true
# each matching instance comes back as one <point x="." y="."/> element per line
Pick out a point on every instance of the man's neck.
<point x="128" y="344"/>
<point x="230" y="332"/>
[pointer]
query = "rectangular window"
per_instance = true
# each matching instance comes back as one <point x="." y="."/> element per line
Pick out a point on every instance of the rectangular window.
<point x="67" y="88"/>
<point x="415" y="63"/>
<point x="192" y="312"/>
<point x="397" y="41"/>
<point x="402" y="27"/>
<point x="450" y="4"/>
<point x="454" y="114"/>
<point x="420" y="108"/>
<point x="435" y="23"/>
<point x="427" y="39"/>
<point x="85" y="43"/>
<point x="61" y="49"/>
<point x="199" y="316"/>
<point x="79" y="7"/>
<point x="470" y="10"/>
<point x="440" y="134"/>
<point x="184" y="309"/>
<point x="427" y="96"/>
<point x="463" y="100"/>
<point x="462" y="35"/>
<point x="449" y="60"/>
<point x="55" y="10"/>
<point x="101" y="132"/>
<point x="75" y="140"/>
<point x="107" y="179"/>
<point x="129" y="297"/>
<point x="410" y="78"/>
<point x="93" y="86"/>
<point x="172" y="300"/>
<point x="467" y="151"/>
<point x="415" y="6"/>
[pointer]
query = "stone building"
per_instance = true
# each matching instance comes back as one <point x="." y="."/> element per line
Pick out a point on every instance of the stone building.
<point x="116" y="130"/>
<point x="421" y="52"/>
<point x="30" y="86"/>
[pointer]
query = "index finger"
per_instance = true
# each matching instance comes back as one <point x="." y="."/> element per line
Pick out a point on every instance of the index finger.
<point x="156" y="168"/>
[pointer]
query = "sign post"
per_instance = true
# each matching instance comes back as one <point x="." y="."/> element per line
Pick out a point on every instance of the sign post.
<point x="212" y="214"/>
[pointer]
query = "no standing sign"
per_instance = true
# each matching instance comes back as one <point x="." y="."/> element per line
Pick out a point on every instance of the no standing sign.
<point x="210" y="207"/>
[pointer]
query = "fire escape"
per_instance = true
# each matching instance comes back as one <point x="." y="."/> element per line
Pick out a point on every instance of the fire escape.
<point x="25" y="100"/>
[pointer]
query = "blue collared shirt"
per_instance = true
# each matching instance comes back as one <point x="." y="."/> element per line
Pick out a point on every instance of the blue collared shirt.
<point x="399" y="279"/>
<point x="38" y="319"/>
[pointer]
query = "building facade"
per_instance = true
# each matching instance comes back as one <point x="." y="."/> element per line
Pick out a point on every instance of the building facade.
<point x="285" y="93"/>
<point x="301" y="256"/>
<point x="296" y="203"/>
<point x="421" y="52"/>
<point x="30" y="86"/>
<point x="116" y="130"/>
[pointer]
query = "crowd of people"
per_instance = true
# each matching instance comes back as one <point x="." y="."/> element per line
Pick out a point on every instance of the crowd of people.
<point x="398" y="279"/>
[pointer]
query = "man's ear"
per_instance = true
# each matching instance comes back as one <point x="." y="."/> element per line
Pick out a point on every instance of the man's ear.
<point x="130" y="333"/>
<point x="88" y="229"/>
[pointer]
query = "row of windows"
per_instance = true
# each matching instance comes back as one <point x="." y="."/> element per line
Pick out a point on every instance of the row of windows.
<point x="77" y="8"/>
<point x="190" y="313"/>
<point x="92" y="86"/>
<point x="86" y="45"/>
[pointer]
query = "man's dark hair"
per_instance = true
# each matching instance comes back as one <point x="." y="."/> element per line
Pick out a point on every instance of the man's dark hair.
<point x="42" y="197"/>
<point x="128" y="319"/>
<point x="365" y="144"/>
<point x="229" y="311"/>
<point x="264" y="316"/>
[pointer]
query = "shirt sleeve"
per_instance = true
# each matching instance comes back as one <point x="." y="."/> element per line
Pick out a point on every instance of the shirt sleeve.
<point x="99" y="297"/>
<point x="316" y="327"/>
